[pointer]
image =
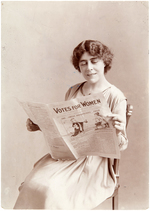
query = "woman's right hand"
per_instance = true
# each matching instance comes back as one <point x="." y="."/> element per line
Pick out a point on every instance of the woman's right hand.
<point x="31" y="126"/>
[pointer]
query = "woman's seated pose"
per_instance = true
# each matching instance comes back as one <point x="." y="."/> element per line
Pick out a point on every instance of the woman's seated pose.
<point x="88" y="181"/>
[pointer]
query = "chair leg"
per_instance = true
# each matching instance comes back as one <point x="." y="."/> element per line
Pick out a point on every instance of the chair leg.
<point x="115" y="201"/>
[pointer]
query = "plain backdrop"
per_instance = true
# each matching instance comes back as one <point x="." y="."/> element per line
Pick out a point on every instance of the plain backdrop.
<point x="37" y="42"/>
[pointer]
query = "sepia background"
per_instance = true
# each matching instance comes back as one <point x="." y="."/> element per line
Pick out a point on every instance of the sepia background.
<point x="37" y="39"/>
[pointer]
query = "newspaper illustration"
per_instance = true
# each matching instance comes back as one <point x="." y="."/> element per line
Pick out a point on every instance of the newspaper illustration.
<point x="76" y="128"/>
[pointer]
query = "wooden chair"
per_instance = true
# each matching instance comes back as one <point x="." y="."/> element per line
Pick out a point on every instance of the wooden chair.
<point x="116" y="164"/>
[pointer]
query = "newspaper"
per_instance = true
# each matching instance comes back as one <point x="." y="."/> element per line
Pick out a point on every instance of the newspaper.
<point x="76" y="128"/>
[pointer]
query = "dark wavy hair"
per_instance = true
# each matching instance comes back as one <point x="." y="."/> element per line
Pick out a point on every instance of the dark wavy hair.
<point x="94" y="48"/>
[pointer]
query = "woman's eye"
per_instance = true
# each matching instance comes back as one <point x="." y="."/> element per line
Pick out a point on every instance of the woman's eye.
<point x="94" y="61"/>
<point x="83" y="63"/>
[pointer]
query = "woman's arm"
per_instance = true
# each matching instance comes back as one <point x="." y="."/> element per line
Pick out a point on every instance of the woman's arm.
<point x="119" y="122"/>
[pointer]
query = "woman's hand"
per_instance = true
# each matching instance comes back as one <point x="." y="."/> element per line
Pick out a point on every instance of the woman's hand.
<point x="118" y="122"/>
<point x="118" y="118"/>
<point x="31" y="126"/>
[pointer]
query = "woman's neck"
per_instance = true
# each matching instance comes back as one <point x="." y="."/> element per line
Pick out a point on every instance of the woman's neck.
<point x="90" y="88"/>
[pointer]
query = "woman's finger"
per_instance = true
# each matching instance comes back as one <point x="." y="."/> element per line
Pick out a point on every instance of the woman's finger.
<point x="29" y="122"/>
<point x="29" y="128"/>
<point x="119" y="125"/>
<point x="116" y="117"/>
<point x="111" y="115"/>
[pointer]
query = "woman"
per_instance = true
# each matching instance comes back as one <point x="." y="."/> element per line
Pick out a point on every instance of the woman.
<point x="88" y="181"/>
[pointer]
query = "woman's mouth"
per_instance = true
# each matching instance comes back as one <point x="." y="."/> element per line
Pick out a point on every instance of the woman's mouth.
<point x="91" y="74"/>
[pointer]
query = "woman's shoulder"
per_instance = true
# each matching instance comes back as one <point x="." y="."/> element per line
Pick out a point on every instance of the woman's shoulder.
<point x="116" y="92"/>
<point x="72" y="90"/>
<point x="115" y="96"/>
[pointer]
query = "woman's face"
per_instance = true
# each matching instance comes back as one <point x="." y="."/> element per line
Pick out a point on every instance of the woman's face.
<point x="91" y="67"/>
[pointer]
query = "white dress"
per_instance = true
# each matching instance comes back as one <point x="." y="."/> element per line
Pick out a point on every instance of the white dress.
<point x="75" y="184"/>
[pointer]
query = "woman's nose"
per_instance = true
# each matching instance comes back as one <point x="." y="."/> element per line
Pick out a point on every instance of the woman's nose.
<point x="90" y="66"/>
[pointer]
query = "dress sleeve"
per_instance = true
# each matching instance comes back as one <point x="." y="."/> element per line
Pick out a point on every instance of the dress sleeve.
<point x="71" y="93"/>
<point x="67" y="94"/>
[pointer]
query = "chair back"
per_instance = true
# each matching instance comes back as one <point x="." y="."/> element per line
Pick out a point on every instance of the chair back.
<point x="116" y="163"/>
<point x="128" y="113"/>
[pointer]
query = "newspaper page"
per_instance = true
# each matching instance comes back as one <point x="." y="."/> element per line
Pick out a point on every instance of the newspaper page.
<point x="76" y="128"/>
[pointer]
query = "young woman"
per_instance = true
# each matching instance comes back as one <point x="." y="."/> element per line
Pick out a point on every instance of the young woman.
<point x="86" y="182"/>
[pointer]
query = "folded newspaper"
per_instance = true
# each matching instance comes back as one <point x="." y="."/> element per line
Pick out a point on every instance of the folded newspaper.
<point x="76" y="128"/>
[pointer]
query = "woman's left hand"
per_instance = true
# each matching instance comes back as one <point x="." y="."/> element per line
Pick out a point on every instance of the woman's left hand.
<point x="118" y="122"/>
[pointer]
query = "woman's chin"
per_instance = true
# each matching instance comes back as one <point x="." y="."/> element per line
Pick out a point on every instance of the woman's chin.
<point x="92" y="80"/>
